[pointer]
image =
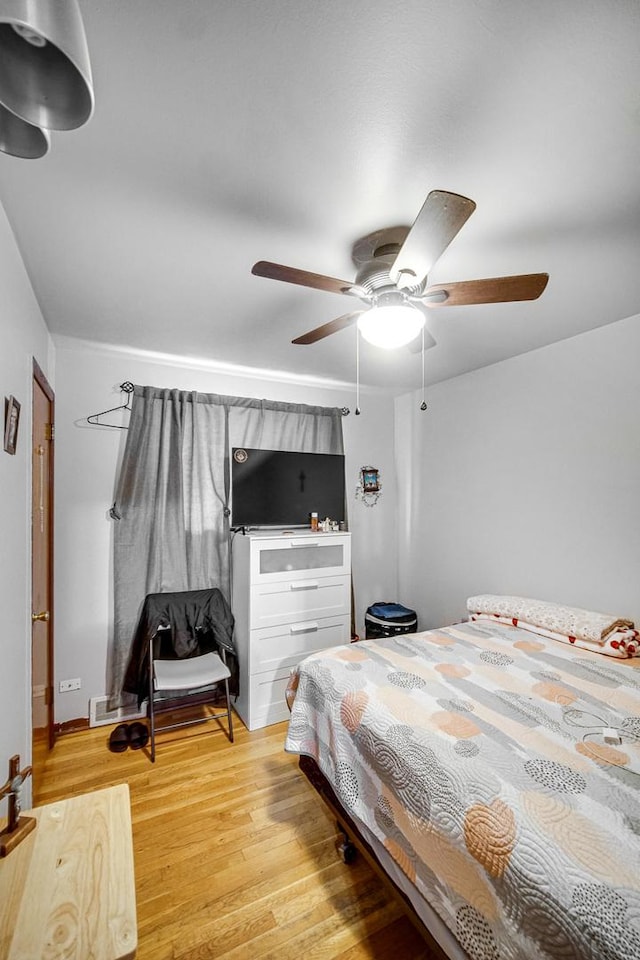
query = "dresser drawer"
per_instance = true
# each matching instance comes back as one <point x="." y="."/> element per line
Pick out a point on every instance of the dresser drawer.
<point x="273" y="648"/>
<point x="306" y="557"/>
<point x="267" y="699"/>
<point x="299" y="599"/>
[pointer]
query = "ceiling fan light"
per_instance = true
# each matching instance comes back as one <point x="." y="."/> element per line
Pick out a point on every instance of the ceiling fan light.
<point x="391" y="326"/>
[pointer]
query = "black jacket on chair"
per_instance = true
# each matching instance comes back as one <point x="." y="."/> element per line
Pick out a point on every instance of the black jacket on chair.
<point x="192" y="622"/>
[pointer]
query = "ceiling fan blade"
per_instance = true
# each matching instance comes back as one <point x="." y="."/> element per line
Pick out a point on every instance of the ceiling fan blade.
<point x="277" y="271"/>
<point x="526" y="286"/>
<point x="442" y="216"/>
<point x="347" y="320"/>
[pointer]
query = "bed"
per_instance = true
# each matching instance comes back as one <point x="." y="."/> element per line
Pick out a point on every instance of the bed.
<point x="492" y="771"/>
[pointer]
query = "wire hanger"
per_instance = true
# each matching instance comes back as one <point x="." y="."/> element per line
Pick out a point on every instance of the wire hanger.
<point x="126" y="387"/>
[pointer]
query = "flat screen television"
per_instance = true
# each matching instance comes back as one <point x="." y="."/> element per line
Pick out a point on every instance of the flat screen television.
<point x="281" y="488"/>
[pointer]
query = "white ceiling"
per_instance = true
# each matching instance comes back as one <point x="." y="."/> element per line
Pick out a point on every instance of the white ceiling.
<point x="228" y="132"/>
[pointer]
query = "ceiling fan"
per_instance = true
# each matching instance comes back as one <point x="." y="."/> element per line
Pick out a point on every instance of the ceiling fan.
<point x="391" y="280"/>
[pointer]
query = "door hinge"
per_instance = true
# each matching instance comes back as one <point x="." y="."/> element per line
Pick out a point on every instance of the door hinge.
<point x="49" y="431"/>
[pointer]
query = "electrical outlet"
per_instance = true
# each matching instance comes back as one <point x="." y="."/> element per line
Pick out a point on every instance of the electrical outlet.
<point x="66" y="685"/>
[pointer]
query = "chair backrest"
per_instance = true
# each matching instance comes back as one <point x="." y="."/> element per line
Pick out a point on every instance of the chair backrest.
<point x="197" y="618"/>
<point x="163" y="649"/>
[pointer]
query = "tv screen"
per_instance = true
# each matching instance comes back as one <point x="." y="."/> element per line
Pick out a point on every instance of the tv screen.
<point x="281" y="488"/>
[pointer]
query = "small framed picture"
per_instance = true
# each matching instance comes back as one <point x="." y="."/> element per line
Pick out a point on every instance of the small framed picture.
<point x="370" y="480"/>
<point x="11" y="423"/>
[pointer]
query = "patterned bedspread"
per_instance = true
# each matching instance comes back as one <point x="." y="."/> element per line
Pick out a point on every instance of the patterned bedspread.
<point x="476" y="755"/>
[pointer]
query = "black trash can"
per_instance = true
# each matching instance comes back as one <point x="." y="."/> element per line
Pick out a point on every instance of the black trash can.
<point x="386" y="619"/>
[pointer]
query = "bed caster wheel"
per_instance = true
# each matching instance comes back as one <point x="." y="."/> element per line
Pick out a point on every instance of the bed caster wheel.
<point x="346" y="849"/>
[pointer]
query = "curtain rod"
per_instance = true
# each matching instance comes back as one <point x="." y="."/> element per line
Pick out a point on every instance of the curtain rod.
<point x="237" y="401"/>
<point x="128" y="387"/>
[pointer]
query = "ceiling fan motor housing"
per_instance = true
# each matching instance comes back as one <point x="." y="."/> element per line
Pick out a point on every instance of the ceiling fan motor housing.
<point x="373" y="277"/>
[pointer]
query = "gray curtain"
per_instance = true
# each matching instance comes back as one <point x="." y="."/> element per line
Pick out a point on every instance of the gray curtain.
<point x="172" y="495"/>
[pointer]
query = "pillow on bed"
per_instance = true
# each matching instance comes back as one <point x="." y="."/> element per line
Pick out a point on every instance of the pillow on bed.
<point x="602" y="633"/>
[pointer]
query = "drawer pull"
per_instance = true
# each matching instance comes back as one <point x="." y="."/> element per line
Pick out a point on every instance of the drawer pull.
<point x="303" y="627"/>
<point x="307" y="543"/>
<point x="304" y="585"/>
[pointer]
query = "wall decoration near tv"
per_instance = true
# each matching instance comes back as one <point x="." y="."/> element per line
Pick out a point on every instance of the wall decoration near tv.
<point x="281" y="488"/>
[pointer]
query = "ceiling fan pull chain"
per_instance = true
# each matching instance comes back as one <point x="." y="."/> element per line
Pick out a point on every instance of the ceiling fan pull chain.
<point x="423" y="405"/>
<point x="357" y="371"/>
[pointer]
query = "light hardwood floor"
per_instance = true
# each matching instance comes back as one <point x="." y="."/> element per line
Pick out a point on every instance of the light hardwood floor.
<point x="234" y="851"/>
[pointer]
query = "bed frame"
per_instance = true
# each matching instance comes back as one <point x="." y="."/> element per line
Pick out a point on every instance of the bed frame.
<point x="350" y="841"/>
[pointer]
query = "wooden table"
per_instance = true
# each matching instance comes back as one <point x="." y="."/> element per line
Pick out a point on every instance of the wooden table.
<point x="68" y="889"/>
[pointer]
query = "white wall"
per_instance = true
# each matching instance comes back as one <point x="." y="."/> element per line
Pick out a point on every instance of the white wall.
<point x="23" y="336"/>
<point x="86" y="465"/>
<point x="524" y="478"/>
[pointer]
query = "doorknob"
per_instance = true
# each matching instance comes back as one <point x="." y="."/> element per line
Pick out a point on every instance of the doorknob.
<point x="40" y="616"/>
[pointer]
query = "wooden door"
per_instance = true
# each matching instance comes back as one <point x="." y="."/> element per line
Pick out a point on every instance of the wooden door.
<point x="42" y="574"/>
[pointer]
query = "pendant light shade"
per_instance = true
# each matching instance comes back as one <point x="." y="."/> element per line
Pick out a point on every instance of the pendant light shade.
<point x="21" y="139"/>
<point x="45" y="74"/>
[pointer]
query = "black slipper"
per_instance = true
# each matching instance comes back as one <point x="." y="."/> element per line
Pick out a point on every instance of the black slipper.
<point x="138" y="735"/>
<point x="119" y="739"/>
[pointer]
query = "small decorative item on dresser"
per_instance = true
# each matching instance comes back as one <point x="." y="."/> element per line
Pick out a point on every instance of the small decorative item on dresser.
<point x="11" y="423"/>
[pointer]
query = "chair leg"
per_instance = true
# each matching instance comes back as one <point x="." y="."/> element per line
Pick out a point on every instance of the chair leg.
<point x="152" y="719"/>
<point x="152" y="724"/>
<point x="226" y="690"/>
<point x="151" y="715"/>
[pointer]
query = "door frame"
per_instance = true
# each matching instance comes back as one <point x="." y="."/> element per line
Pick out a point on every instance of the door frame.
<point x="42" y="382"/>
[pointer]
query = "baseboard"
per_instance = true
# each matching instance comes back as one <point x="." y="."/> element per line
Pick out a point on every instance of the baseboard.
<point x="71" y="726"/>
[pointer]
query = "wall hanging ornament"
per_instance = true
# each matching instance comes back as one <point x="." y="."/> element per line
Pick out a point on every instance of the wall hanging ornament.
<point x="369" y="488"/>
<point x="11" y="424"/>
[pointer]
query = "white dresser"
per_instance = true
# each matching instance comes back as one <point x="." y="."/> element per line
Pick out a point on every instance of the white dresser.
<point x="291" y="597"/>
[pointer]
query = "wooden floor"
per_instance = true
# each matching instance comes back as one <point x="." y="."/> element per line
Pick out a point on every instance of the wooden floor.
<point x="234" y="851"/>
